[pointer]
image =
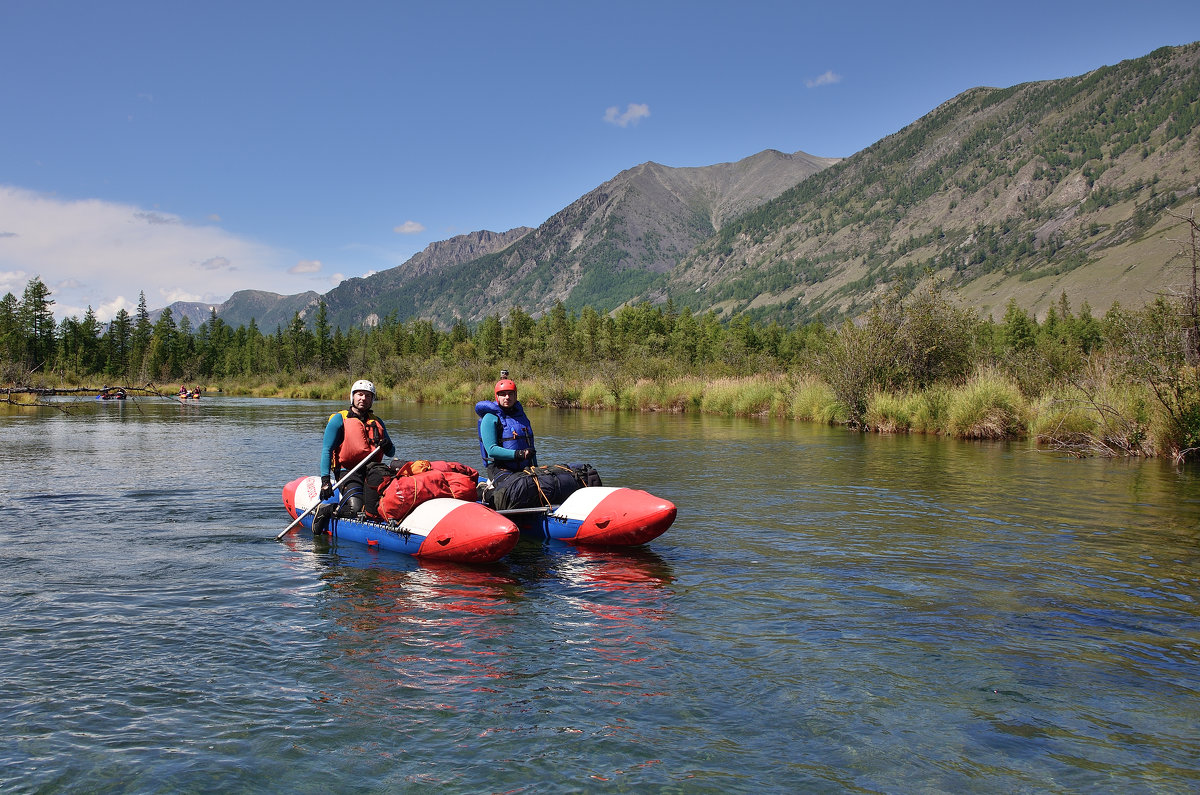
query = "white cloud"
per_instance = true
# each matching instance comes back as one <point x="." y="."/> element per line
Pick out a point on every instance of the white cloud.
<point x="306" y="266"/>
<point x="336" y="278"/>
<point x="171" y="296"/>
<point x="217" y="264"/>
<point x="827" y="79"/>
<point x="110" y="309"/>
<point x="13" y="282"/>
<point x="409" y="228"/>
<point x="95" y="252"/>
<point x="634" y="112"/>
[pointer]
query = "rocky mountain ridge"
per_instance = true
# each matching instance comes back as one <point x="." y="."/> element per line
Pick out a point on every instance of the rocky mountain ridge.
<point x="1018" y="193"/>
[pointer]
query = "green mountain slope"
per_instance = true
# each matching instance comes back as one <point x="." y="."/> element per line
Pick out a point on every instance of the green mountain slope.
<point x="1007" y="193"/>
<point x="601" y="251"/>
<point x="1019" y="193"/>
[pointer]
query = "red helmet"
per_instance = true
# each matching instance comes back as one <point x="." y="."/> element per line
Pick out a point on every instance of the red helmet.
<point x="505" y="385"/>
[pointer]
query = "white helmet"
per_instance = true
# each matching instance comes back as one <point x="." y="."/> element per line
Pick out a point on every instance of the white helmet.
<point x="362" y="385"/>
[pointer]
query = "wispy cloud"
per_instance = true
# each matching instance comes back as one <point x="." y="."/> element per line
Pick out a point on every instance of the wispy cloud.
<point x="217" y="264"/>
<point x="98" y="253"/>
<point x="306" y="266"/>
<point x="634" y="112"/>
<point x="156" y="218"/>
<point x="409" y="228"/>
<point x="827" y="79"/>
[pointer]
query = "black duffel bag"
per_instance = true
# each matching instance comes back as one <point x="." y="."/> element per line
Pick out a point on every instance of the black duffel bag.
<point x="541" y="486"/>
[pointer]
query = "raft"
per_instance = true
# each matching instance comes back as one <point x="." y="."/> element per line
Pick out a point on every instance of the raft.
<point x="599" y="516"/>
<point x="440" y="529"/>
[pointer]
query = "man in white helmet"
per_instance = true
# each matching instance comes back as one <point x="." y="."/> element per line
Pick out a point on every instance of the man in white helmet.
<point x="350" y="436"/>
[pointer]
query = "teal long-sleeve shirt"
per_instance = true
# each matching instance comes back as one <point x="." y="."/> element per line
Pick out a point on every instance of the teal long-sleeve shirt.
<point x="335" y="432"/>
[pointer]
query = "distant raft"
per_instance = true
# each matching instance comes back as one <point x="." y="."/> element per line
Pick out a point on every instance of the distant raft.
<point x="440" y="529"/>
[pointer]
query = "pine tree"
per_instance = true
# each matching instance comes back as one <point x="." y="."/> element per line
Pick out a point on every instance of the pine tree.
<point x="38" y="323"/>
<point x="140" y="346"/>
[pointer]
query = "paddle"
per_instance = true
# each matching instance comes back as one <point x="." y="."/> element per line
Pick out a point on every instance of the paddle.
<point x="315" y="505"/>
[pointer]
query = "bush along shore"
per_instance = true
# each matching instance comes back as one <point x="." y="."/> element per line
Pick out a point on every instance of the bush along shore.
<point x="1124" y="384"/>
<point x="987" y="405"/>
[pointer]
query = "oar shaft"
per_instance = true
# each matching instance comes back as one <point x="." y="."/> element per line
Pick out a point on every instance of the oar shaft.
<point x="314" y="506"/>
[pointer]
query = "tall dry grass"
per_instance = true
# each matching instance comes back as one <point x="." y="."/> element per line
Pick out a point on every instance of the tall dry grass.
<point x="988" y="406"/>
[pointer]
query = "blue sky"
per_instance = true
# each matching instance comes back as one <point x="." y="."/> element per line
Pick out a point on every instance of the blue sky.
<point x="189" y="150"/>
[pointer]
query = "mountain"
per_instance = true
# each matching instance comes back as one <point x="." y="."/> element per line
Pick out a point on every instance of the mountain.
<point x="267" y="310"/>
<point x="1020" y="193"/>
<point x="363" y="301"/>
<point x="600" y="251"/>
<point x="1015" y="193"/>
<point x="194" y="311"/>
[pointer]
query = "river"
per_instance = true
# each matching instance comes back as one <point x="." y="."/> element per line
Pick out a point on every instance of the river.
<point x="831" y="612"/>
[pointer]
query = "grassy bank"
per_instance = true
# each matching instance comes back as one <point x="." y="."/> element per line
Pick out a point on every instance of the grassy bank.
<point x="1118" y="419"/>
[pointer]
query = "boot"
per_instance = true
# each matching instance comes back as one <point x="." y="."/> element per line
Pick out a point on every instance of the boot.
<point x="320" y="524"/>
<point x="351" y="507"/>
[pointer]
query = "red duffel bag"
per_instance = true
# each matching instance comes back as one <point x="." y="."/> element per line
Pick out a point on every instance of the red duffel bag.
<point x="406" y="492"/>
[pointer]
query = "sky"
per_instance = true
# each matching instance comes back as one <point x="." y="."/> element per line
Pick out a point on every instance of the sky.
<point x="187" y="150"/>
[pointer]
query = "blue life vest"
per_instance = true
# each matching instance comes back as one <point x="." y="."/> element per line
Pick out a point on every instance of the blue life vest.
<point x="516" y="433"/>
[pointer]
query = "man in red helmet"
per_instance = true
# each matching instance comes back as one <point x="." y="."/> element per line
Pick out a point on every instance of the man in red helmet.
<point x="505" y="434"/>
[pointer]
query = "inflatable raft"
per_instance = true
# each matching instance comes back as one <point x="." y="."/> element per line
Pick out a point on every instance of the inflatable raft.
<point x="440" y="529"/>
<point x="600" y="516"/>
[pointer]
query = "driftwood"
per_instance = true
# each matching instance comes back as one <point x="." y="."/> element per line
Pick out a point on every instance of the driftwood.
<point x="37" y="394"/>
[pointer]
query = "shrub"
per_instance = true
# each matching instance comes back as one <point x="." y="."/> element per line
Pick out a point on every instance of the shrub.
<point x="1177" y="427"/>
<point x="741" y="396"/>
<point x="889" y="413"/>
<point x="931" y="409"/>
<point x="814" y="401"/>
<point x="1065" y="423"/>
<point x="989" y="406"/>
<point x="597" y="395"/>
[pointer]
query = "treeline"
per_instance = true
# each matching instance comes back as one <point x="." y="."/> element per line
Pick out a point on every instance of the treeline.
<point x="645" y="340"/>
<point x="1124" y="383"/>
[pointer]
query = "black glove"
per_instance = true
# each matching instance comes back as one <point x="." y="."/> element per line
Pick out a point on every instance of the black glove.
<point x="326" y="488"/>
<point x="525" y="454"/>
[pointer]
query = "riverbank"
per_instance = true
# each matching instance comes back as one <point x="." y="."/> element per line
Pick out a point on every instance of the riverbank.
<point x="1105" y="420"/>
<point x="1096" y="418"/>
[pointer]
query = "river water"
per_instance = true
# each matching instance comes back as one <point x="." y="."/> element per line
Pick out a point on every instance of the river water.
<point x="831" y="612"/>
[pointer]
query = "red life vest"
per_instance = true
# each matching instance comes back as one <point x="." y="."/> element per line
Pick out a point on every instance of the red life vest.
<point x="358" y="439"/>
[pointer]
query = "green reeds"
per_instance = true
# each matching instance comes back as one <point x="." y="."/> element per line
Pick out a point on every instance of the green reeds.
<point x="989" y="406"/>
<point x="750" y="396"/>
<point x="812" y="400"/>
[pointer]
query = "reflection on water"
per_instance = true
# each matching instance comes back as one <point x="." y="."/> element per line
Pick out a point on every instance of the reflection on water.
<point x="830" y="612"/>
<point x="438" y="628"/>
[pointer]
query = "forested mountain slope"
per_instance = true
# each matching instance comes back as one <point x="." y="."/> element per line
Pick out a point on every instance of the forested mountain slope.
<point x="1019" y="193"/>
<point x="1015" y="193"/>
<point x="601" y="251"/>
